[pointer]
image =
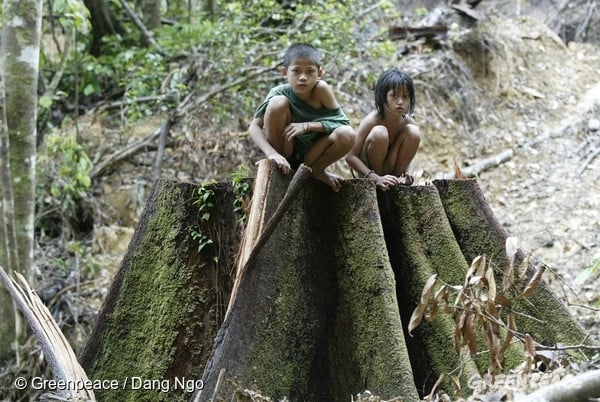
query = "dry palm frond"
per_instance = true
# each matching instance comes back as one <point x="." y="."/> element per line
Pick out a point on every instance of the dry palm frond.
<point x="59" y="352"/>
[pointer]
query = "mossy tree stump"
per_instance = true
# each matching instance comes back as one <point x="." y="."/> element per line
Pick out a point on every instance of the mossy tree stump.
<point x="319" y="313"/>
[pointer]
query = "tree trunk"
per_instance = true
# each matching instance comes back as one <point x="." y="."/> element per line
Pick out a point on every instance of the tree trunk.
<point x="104" y="23"/>
<point x="161" y="314"/>
<point x="421" y="243"/>
<point x="152" y="13"/>
<point x="320" y="311"/>
<point x="19" y="62"/>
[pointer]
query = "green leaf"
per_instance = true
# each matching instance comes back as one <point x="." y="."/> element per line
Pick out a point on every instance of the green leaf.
<point x="45" y="101"/>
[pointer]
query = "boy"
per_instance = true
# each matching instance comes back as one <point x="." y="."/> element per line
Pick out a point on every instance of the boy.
<point x="387" y="139"/>
<point x="301" y="121"/>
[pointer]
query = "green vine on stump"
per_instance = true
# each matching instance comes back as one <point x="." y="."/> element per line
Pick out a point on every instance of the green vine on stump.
<point x="206" y="202"/>
<point x="241" y="188"/>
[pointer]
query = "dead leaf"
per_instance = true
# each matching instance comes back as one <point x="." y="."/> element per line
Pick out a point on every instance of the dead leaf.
<point x="512" y="246"/>
<point x="512" y="327"/>
<point x="535" y="280"/>
<point x="416" y="317"/>
<point x="489" y="275"/>
<point x="458" y="331"/>
<point x="503" y="301"/>
<point x="523" y="267"/>
<point x="472" y="269"/>
<point x="529" y="346"/>
<point x="428" y="289"/>
<point x="509" y="278"/>
<point x="469" y="334"/>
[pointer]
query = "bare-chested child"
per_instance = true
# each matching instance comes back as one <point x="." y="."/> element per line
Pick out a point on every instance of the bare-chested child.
<point x="388" y="138"/>
<point x="301" y="121"/>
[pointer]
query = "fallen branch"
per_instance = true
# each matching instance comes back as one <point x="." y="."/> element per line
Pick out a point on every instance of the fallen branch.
<point x="467" y="10"/>
<point x="397" y="33"/>
<point x="163" y="131"/>
<point x="124" y="153"/>
<point x="581" y="388"/>
<point x="129" y="102"/>
<point x="162" y="144"/>
<point x="187" y="104"/>
<point x="485" y="164"/>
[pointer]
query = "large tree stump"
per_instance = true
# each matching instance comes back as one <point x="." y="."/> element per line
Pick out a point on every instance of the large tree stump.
<point x="320" y="310"/>
<point x="167" y="300"/>
<point x="316" y="316"/>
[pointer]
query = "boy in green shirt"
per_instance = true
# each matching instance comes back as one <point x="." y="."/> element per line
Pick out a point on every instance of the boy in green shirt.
<point x="301" y="121"/>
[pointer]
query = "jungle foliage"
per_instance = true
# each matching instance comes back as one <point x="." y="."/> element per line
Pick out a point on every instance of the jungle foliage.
<point x="196" y="51"/>
<point x="224" y="58"/>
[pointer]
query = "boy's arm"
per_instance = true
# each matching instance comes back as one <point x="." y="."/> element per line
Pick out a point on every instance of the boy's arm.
<point x="256" y="132"/>
<point x="257" y="135"/>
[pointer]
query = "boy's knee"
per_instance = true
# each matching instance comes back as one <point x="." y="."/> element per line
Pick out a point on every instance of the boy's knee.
<point x="345" y="136"/>
<point x="278" y="103"/>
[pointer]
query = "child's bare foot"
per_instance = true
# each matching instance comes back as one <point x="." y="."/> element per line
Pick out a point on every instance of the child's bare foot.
<point x="332" y="180"/>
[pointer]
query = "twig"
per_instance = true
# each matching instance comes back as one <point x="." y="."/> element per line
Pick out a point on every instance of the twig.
<point x="367" y="10"/>
<point x="568" y="347"/>
<point x="140" y="25"/>
<point x="162" y="143"/>
<point x="584" y="25"/>
<point x="588" y="161"/>
<point x="62" y="65"/>
<point x="584" y="306"/>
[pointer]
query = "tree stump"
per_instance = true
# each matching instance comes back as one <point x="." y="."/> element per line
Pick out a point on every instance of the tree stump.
<point x="320" y="312"/>
<point x="168" y="298"/>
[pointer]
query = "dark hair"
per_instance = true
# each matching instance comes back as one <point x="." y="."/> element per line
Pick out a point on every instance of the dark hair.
<point x="393" y="79"/>
<point x="301" y="51"/>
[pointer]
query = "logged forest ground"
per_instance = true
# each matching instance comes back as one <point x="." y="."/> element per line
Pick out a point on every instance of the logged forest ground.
<point x="505" y="83"/>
